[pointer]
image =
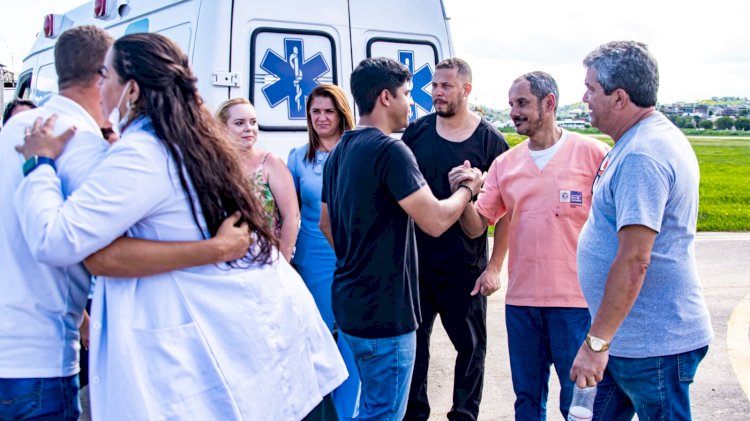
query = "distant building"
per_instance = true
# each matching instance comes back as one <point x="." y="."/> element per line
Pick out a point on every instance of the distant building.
<point x="572" y="124"/>
<point x="7" y="76"/>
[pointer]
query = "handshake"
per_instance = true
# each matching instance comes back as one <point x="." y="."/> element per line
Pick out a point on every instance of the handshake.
<point x="465" y="175"/>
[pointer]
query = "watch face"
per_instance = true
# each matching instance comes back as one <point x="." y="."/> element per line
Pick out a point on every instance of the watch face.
<point x="596" y="344"/>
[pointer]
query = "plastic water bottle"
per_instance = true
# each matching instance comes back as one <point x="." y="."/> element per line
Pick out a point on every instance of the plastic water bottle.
<point x="582" y="405"/>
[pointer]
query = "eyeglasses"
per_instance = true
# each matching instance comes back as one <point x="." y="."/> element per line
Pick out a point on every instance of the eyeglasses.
<point x="602" y="167"/>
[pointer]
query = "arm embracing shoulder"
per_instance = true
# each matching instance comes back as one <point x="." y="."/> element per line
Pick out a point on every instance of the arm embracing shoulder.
<point x="126" y="186"/>
<point x="231" y="242"/>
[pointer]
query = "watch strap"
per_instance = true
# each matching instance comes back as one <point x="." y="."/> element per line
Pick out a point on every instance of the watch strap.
<point x="35" y="161"/>
<point x="604" y="344"/>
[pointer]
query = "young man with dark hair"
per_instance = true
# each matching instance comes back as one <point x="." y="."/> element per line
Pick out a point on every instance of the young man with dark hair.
<point x="373" y="193"/>
<point x="451" y="264"/>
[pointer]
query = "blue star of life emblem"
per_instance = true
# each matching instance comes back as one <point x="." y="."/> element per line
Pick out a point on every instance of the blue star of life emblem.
<point x="296" y="76"/>
<point x="420" y="80"/>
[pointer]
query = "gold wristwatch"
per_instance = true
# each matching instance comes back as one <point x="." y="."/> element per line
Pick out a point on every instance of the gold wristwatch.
<point x="596" y="344"/>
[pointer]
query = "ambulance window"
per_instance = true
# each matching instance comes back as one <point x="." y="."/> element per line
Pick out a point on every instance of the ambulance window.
<point x="420" y="57"/>
<point x="286" y="65"/>
<point x="180" y="34"/>
<point x="46" y="83"/>
<point x="23" y="89"/>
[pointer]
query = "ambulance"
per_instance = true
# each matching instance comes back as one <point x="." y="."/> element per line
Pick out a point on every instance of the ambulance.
<point x="273" y="52"/>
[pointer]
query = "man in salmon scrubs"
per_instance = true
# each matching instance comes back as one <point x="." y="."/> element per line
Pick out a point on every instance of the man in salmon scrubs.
<point x="542" y="190"/>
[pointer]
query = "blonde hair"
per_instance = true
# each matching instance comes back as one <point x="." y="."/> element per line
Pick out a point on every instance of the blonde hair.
<point x="222" y="113"/>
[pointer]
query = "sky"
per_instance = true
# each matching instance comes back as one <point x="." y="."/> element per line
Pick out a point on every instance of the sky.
<point x="701" y="46"/>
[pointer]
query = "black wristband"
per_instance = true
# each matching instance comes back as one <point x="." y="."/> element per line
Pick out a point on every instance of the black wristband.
<point x="471" y="193"/>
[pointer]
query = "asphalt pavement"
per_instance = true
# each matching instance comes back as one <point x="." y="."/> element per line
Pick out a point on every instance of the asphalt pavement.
<point x="717" y="394"/>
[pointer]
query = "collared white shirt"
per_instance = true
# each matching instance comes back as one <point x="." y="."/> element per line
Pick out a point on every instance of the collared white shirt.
<point x="203" y="343"/>
<point x="40" y="305"/>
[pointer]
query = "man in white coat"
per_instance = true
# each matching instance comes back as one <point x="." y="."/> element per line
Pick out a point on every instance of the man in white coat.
<point x="41" y="306"/>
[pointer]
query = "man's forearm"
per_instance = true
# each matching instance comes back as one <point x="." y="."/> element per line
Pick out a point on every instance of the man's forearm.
<point x="132" y="257"/>
<point x="623" y="286"/>
<point x="472" y="222"/>
<point x="329" y="236"/>
<point x="624" y="281"/>
<point x="446" y="212"/>
<point x="500" y="245"/>
<point x="324" y="224"/>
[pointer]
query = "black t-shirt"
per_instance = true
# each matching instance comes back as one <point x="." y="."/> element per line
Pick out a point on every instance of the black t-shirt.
<point x="436" y="157"/>
<point x="375" y="283"/>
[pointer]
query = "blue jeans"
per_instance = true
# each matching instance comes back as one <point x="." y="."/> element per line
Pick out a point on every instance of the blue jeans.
<point x="385" y="367"/>
<point x="40" y="398"/>
<point x="537" y="338"/>
<point x="656" y="388"/>
<point x="346" y="396"/>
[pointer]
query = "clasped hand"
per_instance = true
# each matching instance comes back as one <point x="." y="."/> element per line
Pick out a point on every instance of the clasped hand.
<point x="472" y="178"/>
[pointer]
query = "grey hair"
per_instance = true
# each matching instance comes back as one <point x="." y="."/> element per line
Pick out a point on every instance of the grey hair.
<point x="541" y="84"/>
<point x="461" y="66"/>
<point x="626" y="65"/>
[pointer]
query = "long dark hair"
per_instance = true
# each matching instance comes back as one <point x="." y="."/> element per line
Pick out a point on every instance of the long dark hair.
<point x="346" y="118"/>
<point x="169" y="96"/>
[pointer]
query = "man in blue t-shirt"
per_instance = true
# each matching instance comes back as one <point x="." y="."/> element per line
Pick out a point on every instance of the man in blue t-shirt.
<point x="373" y="193"/>
<point x="650" y="325"/>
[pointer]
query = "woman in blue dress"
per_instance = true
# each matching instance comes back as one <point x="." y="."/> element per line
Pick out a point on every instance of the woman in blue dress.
<point x="328" y="116"/>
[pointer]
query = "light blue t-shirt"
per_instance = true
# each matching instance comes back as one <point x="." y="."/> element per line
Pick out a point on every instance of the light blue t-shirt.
<point x="649" y="178"/>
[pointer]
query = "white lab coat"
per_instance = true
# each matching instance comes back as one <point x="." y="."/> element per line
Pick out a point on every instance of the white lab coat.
<point x="204" y="343"/>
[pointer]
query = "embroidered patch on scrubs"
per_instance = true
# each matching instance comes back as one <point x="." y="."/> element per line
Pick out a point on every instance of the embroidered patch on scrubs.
<point x="565" y="196"/>
<point x="576" y="198"/>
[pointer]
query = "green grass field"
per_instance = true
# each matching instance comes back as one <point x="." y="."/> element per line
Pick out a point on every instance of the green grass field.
<point x="725" y="180"/>
<point x="725" y="183"/>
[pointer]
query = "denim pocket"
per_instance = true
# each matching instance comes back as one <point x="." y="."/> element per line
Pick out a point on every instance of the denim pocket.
<point x="20" y="398"/>
<point x="687" y="363"/>
<point x="363" y="348"/>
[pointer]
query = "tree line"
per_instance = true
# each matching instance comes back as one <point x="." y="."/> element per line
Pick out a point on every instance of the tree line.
<point x="721" y="123"/>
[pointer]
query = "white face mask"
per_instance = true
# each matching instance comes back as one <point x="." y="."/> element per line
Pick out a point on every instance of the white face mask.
<point x="114" y="117"/>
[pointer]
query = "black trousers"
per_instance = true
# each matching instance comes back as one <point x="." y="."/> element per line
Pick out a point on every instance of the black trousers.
<point x="446" y="292"/>
<point x="83" y="375"/>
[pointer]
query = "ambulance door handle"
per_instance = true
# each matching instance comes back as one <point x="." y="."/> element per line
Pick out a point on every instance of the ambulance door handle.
<point x="231" y="79"/>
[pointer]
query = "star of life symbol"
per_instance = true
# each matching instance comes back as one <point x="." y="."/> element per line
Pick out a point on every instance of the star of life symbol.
<point x="420" y="79"/>
<point x="295" y="76"/>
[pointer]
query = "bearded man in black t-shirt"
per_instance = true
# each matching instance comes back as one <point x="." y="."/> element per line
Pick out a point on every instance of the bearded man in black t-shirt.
<point x="450" y="265"/>
<point x="373" y="194"/>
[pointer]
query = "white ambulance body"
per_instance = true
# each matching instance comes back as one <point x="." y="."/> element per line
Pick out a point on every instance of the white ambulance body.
<point x="273" y="52"/>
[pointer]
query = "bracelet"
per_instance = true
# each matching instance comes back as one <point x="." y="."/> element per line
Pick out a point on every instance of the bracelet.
<point x="471" y="193"/>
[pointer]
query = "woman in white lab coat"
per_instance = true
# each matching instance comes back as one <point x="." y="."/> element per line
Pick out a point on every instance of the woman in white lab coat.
<point x="242" y="340"/>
